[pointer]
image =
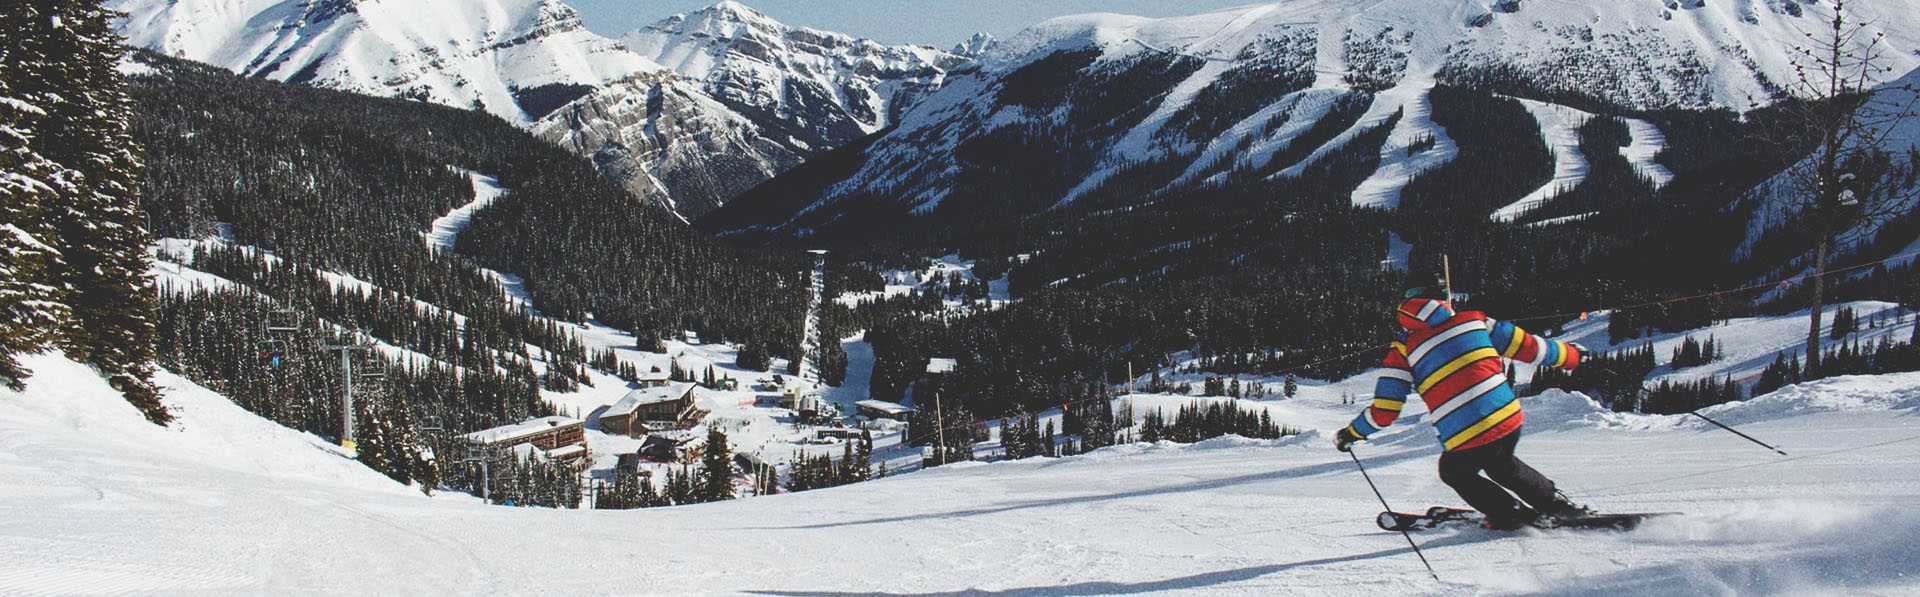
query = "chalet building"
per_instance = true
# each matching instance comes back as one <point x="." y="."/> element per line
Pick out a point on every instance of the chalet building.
<point x="881" y="409"/>
<point x="654" y="379"/>
<point x="653" y="409"/>
<point x="556" y="438"/>
<point x="673" y="446"/>
<point x="618" y="418"/>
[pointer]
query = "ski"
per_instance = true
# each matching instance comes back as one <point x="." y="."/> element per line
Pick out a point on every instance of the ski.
<point x="1434" y="517"/>
<point x="1618" y="522"/>
<point x="1442" y="516"/>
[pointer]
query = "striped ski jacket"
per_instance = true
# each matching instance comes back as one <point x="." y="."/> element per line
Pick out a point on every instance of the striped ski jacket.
<point x="1457" y="362"/>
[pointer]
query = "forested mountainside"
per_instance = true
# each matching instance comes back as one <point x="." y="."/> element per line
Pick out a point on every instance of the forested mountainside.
<point x="688" y="112"/>
<point x="1251" y="186"/>
<point x="311" y="209"/>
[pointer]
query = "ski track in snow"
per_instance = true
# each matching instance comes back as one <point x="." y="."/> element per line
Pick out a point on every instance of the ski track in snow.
<point x="446" y="228"/>
<point x="1139" y="142"/>
<point x="1561" y="127"/>
<point x="441" y="234"/>
<point x="1642" y="152"/>
<point x="227" y="503"/>
<point x="1397" y="168"/>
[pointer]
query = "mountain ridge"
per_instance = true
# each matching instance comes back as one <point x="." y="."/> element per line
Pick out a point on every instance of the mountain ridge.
<point x="1624" y="58"/>
<point x="649" y="127"/>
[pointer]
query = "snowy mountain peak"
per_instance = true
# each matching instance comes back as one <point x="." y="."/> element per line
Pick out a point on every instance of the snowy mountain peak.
<point x="727" y="19"/>
<point x="822" y="88"/>
<point x="975" y="45"/>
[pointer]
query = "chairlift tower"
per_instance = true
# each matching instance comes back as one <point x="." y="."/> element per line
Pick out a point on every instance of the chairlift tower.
<point x="478" y="453"/>
<point x="348" y="350"/>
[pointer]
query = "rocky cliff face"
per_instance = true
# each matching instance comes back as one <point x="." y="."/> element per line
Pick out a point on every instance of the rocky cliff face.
<point x="806" y="90"/>
<point x="659" y="137"/>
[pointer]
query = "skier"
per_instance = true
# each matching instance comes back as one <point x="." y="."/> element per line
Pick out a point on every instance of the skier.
<point x="1455" y="361"/>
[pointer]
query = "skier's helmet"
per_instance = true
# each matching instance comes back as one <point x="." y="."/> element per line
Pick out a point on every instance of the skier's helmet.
<point x="1426" y="287"/>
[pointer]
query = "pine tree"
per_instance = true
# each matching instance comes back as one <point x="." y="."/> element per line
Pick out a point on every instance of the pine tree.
<point x="717" y="468"/>
<point x="1293" y="385"/>
<point x="1845" y="322"/>
<point x="32" y="303"/>
<point x="1047" y="445"/>
<point x="87" y="129"/>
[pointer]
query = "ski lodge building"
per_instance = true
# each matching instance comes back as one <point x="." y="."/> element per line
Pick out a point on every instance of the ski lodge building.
<point x="677" y="445"/>
<point x="654" y="379"/>
<point x="881" y="409"/>
<point x="556" y="438"/>
<point x="652" y="409"/>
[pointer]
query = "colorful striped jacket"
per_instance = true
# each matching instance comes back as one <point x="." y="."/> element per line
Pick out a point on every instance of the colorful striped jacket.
<point x="1455" y="362"/>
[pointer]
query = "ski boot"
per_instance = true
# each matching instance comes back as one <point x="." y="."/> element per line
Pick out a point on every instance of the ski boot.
<point x="1520" y="517"/>
<point x="1560" y="510"/>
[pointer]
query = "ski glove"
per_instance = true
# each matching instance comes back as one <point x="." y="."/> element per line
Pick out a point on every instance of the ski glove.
<point x="1344" y="440"/>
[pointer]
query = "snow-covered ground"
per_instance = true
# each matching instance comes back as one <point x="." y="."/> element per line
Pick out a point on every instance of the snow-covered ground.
<point x="752" y="417"/>
<point x="1647" y="144"/>
<point x="445" y="229"/>
<point x="100" y="501"/>
<point x="1399" y="164"/>
<point x="1561" y="127"/>
<point x="1747" y="344"/>
<point x="904" y="282"/>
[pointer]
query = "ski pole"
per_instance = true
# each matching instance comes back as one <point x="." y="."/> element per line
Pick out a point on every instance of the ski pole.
<point x="1383" y="504"/>
<point x="1737" y="432"/>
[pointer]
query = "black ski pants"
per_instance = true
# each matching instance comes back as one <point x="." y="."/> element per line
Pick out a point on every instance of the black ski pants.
<point x="1461" y="470"/>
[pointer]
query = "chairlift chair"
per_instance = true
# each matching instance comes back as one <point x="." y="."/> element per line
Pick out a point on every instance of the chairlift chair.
<point x="371" y="366"/>
<point x="273" y="352"/>
<point x="283" y="321"/>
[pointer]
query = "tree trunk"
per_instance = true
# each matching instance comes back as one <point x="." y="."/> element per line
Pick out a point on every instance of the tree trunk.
<point x="1819" y="297"/>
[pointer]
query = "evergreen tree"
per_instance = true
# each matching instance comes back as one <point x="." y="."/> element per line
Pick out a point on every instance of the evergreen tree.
<point x="1845" y="322"/>
<point x="62" y="61"/>
<point x="31" y="302"/>
<point x="753" y="357"/>
<point x="99" y="235"/>
<point x="716" y="468"/>
<point x="1293" y="385"/>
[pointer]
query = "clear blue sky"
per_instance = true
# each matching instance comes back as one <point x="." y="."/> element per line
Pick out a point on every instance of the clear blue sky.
<point x="938" y="23"/>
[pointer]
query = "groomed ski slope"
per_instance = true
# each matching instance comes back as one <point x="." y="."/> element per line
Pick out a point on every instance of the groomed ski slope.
<point x="99" y="501"/>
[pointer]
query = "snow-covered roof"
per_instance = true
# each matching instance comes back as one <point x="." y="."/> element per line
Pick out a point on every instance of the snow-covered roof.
<point x="884" y="406"/>
<point x="942" y="365"/>
<point x="519" y="431"/>
<point x="636" y="399"/>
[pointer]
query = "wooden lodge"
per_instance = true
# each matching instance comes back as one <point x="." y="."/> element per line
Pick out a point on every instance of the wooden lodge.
<point x="559" y="438"/>
<point x="881" y="409"/>
<point x="673" y="446"/>
<point x="652" y="409"/>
